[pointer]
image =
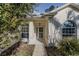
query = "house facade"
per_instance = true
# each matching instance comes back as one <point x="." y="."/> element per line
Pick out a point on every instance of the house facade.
<point x="52" y="26"/>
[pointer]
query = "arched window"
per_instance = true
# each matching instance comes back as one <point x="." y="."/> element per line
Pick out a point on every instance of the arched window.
<point x="69" y="28"/>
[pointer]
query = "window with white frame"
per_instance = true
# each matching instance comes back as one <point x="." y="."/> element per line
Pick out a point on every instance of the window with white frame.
<point x="69" y="28"/>
<point x="25" y="31"/>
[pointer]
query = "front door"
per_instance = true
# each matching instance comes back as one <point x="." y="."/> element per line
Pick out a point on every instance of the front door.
<point x="39" y="33"/>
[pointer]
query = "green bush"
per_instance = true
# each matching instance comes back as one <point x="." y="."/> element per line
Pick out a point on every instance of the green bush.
<point x="69" y="47"/>
<point x="8" y="39"/>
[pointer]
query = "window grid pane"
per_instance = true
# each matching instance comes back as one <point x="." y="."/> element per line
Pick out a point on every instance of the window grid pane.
<point x="69" y="28"/>
<point x="25" y="31"/>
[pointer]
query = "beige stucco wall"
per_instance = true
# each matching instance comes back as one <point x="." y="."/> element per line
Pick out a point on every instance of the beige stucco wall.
<point x="56" y="22"/>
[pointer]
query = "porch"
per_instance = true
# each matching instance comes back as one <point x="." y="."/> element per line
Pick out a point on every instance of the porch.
<point x="35" y="31"/>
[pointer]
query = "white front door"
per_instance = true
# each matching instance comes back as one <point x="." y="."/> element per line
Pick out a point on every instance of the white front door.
<point x="39" y="33"/>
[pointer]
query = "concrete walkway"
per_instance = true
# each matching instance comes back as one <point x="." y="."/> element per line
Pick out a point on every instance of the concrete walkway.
<point x="39" y="49"/>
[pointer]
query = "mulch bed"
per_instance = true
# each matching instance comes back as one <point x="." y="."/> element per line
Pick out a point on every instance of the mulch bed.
<point x="52" y="51"/>
<point x="23" y="50"/>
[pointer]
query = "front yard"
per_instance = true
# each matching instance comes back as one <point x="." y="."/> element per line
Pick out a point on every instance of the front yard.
<point x="67" y="46"/>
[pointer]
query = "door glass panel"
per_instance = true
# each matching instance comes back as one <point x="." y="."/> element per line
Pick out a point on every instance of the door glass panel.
<point x="41" y="29"/>
<point x="39" y="32"/>
<point x="40" y="35"/>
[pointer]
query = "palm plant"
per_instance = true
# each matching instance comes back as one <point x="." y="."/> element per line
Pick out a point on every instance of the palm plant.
<point x="69" y="47"/>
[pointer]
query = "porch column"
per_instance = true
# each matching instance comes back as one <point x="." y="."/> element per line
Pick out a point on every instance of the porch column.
<point x="32" y="36"/>
<point x="51" y="32"/>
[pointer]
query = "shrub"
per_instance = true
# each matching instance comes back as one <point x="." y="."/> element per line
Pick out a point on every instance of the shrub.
<point x="7" y="39"/>
<point x="69" y="47"/>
